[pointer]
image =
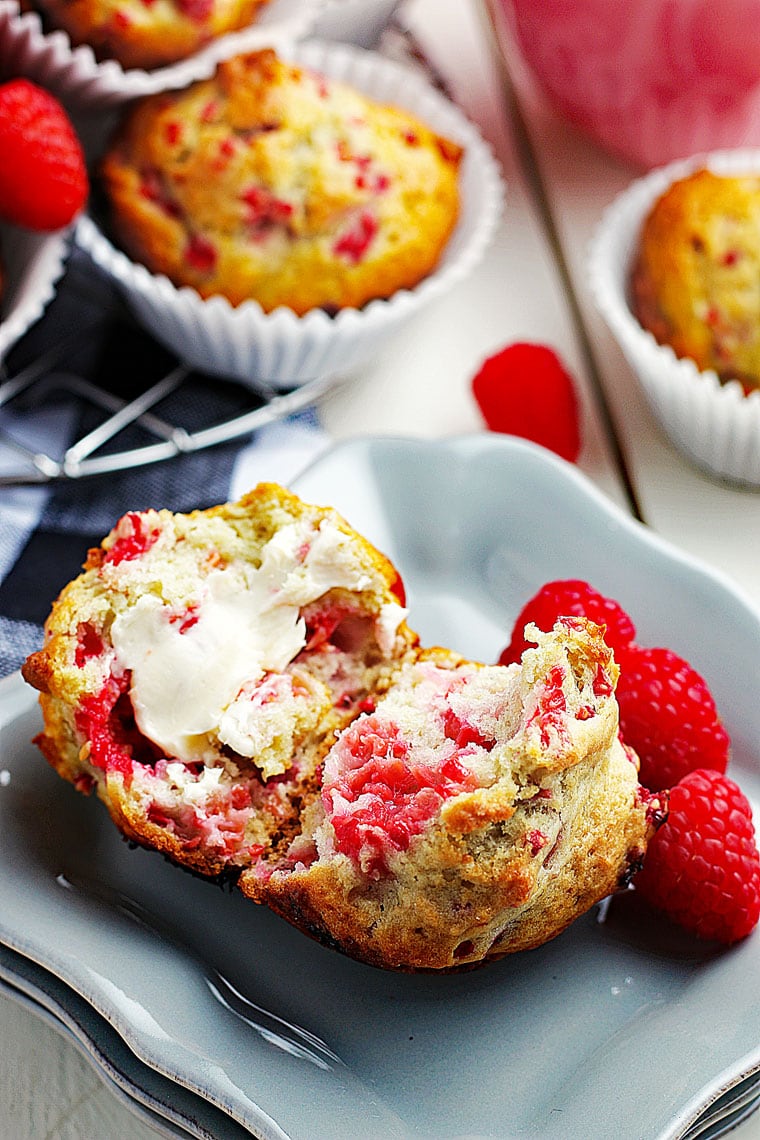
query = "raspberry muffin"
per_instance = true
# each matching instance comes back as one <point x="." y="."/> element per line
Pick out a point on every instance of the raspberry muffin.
<point x="274" y="183"/>
<point x="148" y="33"/>
<point x="240" y="688"/>
<point x="695" y="281"/>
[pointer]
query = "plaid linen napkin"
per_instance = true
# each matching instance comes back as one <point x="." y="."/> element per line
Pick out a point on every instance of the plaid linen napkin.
<point x="45" y="531"/>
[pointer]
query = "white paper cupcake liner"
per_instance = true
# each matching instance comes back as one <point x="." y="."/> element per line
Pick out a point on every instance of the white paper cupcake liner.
<point x="280" y="348"/>
<point x="716" y="425"/>
<point x="79" y="79"/>
<point x="32" y="263"/>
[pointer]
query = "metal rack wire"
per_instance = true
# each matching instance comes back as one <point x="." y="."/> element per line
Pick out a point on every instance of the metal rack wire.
<point x="81" y="458"/>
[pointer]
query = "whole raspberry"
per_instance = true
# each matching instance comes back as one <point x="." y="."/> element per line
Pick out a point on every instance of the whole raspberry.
<point x="570" y="597"/>
<point x="702" y="867"/>
<point x="525" y="390"/>
<point x="43" y="179"/>
<point x="668" y="716"/>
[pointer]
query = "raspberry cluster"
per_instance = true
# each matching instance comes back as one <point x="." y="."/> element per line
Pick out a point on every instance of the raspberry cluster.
<point x="668" y="716"/>
<point x="702" y="867"/>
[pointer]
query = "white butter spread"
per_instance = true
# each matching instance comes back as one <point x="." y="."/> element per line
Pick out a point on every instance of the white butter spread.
<point x="386" y="624"/>
<point x="246" y="622"/>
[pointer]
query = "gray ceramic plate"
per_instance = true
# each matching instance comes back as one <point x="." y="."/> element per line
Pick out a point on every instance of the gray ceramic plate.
<point x="617" y="1027"/>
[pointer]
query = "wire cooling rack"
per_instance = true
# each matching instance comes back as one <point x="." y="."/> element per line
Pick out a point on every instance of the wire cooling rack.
<point x="112" y="397"/>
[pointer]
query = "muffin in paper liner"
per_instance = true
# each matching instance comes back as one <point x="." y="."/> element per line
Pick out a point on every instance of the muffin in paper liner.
<point x="32" y="264"/>
<point x="713" y="423"/>
<point x="78" y="78"/>
<point x="280" y="348"/>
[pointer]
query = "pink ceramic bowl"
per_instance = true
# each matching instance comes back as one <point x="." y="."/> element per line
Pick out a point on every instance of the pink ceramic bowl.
<point x="651" y="80"/>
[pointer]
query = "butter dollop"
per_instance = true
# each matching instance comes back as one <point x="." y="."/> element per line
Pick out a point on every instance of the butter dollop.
<point x="245" y="623"/>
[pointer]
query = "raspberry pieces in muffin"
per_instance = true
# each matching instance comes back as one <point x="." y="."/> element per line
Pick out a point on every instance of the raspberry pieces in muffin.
<point x="273" y="183"/>
<point x="476" y="811"/>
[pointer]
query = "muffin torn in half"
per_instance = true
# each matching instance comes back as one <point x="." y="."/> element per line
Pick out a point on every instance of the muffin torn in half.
<point x="240" y="687"/>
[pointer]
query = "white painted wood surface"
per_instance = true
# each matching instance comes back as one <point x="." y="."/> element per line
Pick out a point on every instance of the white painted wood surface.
<point x="48" y="1091"/>
<point x="710" y="520"/>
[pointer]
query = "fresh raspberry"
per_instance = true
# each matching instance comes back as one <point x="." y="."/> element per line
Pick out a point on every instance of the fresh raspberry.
<point x="571" y="597"/>
<point x="43" y="179"/>
<point x="702" y="867"/>
<point x="668" y="716"/>
<point x="525" y="390"/>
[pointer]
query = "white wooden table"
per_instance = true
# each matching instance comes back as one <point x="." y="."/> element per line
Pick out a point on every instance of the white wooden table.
<point x="421" y="386"/>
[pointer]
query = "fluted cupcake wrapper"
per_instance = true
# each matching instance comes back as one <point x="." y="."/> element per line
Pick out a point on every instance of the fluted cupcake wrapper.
<point x="285" y="350"/>
<point x="715" y="424"/>
<point x="32" y="265"/>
